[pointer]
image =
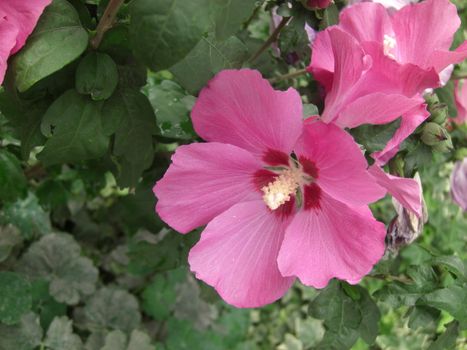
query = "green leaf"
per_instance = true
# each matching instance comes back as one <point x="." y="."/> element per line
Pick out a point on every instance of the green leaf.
<point x="129" y="114"/>
<point x="159" y="297"/>
<point x="57" y="40"/>
<point x="26" y="335"/>
<point x="162" y="32"/>
<point x="44" y="304"/>
<point x="73" y="123"/>
<point x="309" y="110"/>
<point x="28" y="216"/>
<point x="15" y="297"/>
<point x="449" y="299"/>
<point x="9" y="238"/>
<point x="230" y="14"/>
<point x="375" y="137"/>
<point x="453" y="264"/>
<point x="341" y="315"/>
<point x="369" y="327"/>
<point x="447" y="340"/>
<point x="172" y="106"/>
<point x="446" y="95"/>
<point x="208" y="58"/>
<point x="423" y="316"/>
<point x="97" y="76"/>
<point x="294" y="41"/>
<point x="13" y="183"/>
<point x="330" y="16"/>
<point x="117" y="340"/>
<point x="57" y="258"/>
<point x="112" y="309"/>
<point x="60" y="336"/>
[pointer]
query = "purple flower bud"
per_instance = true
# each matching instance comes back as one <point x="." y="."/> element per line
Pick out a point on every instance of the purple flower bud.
<point x="459" y="184"/>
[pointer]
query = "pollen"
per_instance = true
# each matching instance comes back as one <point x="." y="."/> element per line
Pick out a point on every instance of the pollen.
<point x="389" y="44"/>
<point x="282" y="188"/>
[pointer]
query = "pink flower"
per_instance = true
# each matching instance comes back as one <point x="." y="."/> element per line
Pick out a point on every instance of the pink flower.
<point x="17" y="20"/>
<point x="459" y="184"/>
<point x="281" y="198"/>
<point x="397" y="57"/>
<point x="389" y="4"/>
<point x="460" y="95"/>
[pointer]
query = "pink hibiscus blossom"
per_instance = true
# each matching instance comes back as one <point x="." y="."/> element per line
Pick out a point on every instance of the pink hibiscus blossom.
<point x="281" y="198"/>
<point x="460" y="95"/>
<point x="389" y="4"/>
<point x="459" y="184"/>
<point x="17" y="20"/>
<point x="403" y="54"/>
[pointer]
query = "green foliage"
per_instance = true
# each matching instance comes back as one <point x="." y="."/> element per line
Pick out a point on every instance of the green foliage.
<point x="57" y="40"/>
<point x="86" y="129"/>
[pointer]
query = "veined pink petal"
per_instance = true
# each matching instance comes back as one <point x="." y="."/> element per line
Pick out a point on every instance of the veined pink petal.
<point x="8" y="33"/>
<point x="24" y="16"/>
<point x="389" y="4"/>
<point x="459" y="184"/>
<point x="366" y="21"/>
<point x="406" y="191"/>
<point x="409" y="122"/>
<point x="204" y="180"/>
<point x="322" y="60"/>
<point x="349" y="63"/>
<point x="440" y="59"/>
<point x="376" y="108"/>
<point x="241" y="108"/>
<point x="341" y="167"/>
<point x="237" y="255"/>
<point x="460" y="94"/>
<point x="333" y="241"/>
<point x="423" y="28"/>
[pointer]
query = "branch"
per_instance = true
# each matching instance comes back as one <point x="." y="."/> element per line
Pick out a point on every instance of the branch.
<point x="271" y="39"/>
<point x="106" y="22"/>
<point x="291" y="75"/>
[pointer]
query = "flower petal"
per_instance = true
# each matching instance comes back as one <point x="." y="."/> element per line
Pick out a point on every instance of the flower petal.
<point x="422" y="28"/>
<point x="23" y="15"/>
<point x="366" y="21"/>
<point x="241" y="108"/>
<point x="204" y="180"/>
<point x="409" y="122"/>
<point x="460" y="94"/>
<point x="406" y="191"/>
<point x="459" y="184"/>
<point x="237" y="255"/>
<point x="332" y="241"/>
<point x="8" y="33"/>
<point x="341" y="166"/>
<point x="322" y="60"/>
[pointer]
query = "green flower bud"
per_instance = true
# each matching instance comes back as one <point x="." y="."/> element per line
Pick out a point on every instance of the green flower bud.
<point x="439" y="113"/>
<point x="444" y="146"/>
<point x="396" y="165"/>
<point x="433" y="134"/>
<point x="431" y="99"/>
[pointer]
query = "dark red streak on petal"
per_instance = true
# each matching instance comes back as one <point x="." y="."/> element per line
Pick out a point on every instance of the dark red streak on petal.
<point x="263" y="177"/>
<point x="309" y="167"/>
<point x="286" y="209"/>
<point x="312" y="197"/>
<point x="275" y="158"/>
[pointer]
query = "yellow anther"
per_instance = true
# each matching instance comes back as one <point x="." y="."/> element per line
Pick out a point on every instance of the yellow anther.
<point x="280" y="190"/>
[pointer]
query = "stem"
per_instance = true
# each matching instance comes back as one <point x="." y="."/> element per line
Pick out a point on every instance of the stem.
<point x="291" y="75"/>
<point x="457" y="77"/>
<point x="271" y="39"/>
<point x="401" y="279"/>
<point x="106" y="22"/>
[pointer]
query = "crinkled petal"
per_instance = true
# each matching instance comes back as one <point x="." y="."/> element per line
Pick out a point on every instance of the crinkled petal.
<point x="241" y="108"/>
<point x="441" y="59"/>
<point x="423" y="28"/>
<point x="409" y="122"/>
<point x="460" y="94"/>
<point x="333" y="241"/>
<point x="406" y="191"/>
<point x="459" y="184"/>
<point x="322" y="60"/>
<point x="204" y="180"/>
<point x="341" y="166"/>
<point x="24" y="16"/>
<point x="366" y="21"/>
<point x="349" y="63"/>
<point x="8" y="34"/>
<point x="377" y="108"/>
<point x="237" y="255"/>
